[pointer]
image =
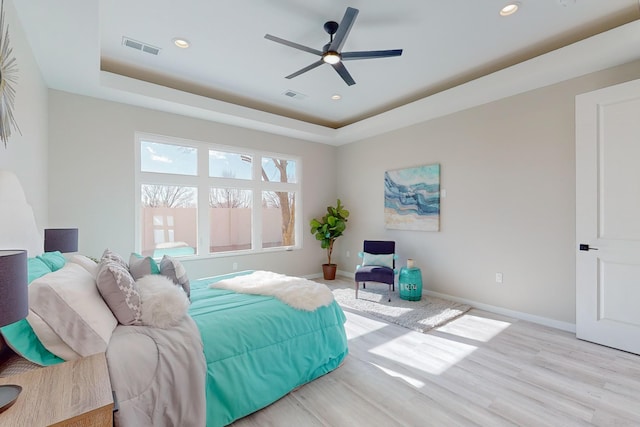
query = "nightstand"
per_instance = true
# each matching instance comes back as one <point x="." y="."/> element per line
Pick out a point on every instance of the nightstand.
<point x="75" y="393"/>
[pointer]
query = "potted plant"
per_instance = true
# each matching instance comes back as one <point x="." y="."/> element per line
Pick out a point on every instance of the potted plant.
<point x="327" y="230"/>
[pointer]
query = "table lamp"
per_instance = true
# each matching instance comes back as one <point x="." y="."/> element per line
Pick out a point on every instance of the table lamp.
<point x="14" y="305"/>
<point x="61" y="239"/>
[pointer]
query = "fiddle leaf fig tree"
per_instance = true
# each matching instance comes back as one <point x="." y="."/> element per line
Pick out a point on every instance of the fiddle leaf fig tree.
<point x="331" y="226"/>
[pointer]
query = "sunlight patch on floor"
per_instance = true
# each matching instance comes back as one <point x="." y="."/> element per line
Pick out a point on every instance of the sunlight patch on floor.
<point x="409" y="380"/>
<point x="442" y="353"/>
<point x="475" y="328"/>
<point x="359" y="329"/>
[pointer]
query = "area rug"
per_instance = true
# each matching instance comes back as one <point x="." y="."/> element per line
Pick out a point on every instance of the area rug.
<point x="420" y="316"/>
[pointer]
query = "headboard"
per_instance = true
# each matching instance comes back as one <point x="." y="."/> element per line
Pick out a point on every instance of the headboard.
<point x="18" y="229"/>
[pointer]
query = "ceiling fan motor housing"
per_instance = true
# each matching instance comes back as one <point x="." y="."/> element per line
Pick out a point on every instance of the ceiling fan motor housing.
<point x="331" y="27"/>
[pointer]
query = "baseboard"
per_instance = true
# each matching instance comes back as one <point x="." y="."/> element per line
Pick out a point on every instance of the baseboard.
<point x="349" y="274"/>
<point x="564" y="326"/>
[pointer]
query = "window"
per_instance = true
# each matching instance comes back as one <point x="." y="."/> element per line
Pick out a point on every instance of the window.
<point x="204" y="199"/>
<point x="168" y="214"/>
<point x="230" y="219"/>
<point x="167" y="158"/>
<point x="278" y="218"/>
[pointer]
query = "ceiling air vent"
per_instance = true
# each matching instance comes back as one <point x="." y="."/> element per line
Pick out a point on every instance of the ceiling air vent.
<point x="138" y="45"/>
<point x="293" y="94"/>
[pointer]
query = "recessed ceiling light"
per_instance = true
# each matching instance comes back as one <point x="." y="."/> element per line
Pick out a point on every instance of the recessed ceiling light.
<point x="510" y="9"/>
<point x="336" y="97"/>
<point x="181" y="43"/>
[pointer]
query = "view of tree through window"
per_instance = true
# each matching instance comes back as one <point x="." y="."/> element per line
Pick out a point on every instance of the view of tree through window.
<point x="248" y="209"/>
<point x="168" y="196"/>
<point x="285" y="204"/>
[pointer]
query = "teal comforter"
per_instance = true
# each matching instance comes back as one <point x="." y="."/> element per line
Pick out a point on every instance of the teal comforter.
<point x="258" y="349"/>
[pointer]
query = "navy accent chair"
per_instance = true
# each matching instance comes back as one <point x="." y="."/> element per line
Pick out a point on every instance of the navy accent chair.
<point x="377" y="273"/>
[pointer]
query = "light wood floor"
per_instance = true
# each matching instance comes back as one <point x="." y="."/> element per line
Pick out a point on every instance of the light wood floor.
<point x="481" y="369"/>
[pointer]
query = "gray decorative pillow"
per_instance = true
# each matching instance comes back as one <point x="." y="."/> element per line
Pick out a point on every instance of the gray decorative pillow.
<point x="173" y="269"/>
<point x="112" y="256"/>
<point x="119" y="291"/>
<point x="140" y="266"/>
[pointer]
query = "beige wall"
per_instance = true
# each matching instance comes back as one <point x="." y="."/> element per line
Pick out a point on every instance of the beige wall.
<point x="508" y="169"/>
<point x="92" y="159"/>
<point x="26" y="153"/>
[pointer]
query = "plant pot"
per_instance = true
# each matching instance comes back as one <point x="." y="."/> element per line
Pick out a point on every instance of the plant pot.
<point x="329" y="271"/>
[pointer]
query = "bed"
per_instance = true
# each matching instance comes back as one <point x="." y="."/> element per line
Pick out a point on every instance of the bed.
<point x="234" y="353"/>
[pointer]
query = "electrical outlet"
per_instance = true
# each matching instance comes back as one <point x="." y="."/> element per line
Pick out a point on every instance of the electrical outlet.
<point x="498" y="277"/>
<point x="235" y="266"/>
<point x="348" y="254"/>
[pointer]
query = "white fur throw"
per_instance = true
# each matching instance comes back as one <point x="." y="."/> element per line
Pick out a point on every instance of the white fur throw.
<point x="163" y="303"/>
<point x="297" y="292"/>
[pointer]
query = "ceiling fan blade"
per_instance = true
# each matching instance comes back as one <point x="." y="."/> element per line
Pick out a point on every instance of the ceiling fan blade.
<point x="342" y="70"/>
<point x="292" y="44"/>
<point x="305" y="69"/>
<point x="343" y="29"/>
<point x="369" y="54"/>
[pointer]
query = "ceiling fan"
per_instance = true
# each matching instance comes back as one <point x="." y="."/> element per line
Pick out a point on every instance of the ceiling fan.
<point x="331" y="52"/>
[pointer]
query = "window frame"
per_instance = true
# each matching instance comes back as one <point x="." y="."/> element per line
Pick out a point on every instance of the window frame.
<point x="203" y="182"/>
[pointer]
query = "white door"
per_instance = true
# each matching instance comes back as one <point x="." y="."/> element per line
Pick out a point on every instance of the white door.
<point x="608" y="216"/>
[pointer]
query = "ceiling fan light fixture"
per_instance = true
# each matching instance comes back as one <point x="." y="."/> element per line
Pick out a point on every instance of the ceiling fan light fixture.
<point x="181" y="43"/>
<point x="510" y="9"/>
<point x="332" y="53"/>
<point x="331" y="57"/>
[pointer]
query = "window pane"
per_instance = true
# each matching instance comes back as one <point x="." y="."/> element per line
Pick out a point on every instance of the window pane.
<point x="278" y="170"/>
<point x="278" y="219"/>
<point x="169" y="220"/>
<point x="229" y="165"/>
<point x="230" y="219"/>
<point x="166" y="158"/>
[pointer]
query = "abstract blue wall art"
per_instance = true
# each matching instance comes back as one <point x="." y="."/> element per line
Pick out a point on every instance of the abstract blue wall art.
<point x="412" y="198"/>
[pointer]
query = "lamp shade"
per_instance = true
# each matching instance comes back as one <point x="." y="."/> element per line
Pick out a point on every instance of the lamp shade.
<point x="14" y="297"/>
<point x="61" y="239"/>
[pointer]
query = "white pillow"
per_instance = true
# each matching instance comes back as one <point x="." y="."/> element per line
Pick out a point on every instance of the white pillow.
<point x="163" y="304"/>
<point x="382" y="260"/>
<point x="49" y="339"/>
<point x="69" y="302"/>
<point x="87" y="263"/>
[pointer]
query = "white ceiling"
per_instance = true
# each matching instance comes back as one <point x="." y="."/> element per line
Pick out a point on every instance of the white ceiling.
<point x="457" y="53"/>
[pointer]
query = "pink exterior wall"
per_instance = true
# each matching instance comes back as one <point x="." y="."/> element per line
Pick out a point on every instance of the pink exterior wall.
<point x="230" y="228"/>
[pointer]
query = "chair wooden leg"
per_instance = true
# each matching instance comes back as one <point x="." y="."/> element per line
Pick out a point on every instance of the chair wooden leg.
<point x="389" y="293"/>
<point x="357" y="286"/>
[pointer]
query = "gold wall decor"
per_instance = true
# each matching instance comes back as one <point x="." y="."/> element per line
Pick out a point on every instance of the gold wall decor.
<point x="8" y="79"/>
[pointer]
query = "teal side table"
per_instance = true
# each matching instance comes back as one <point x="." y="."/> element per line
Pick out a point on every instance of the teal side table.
<point x="410" y="282"/>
